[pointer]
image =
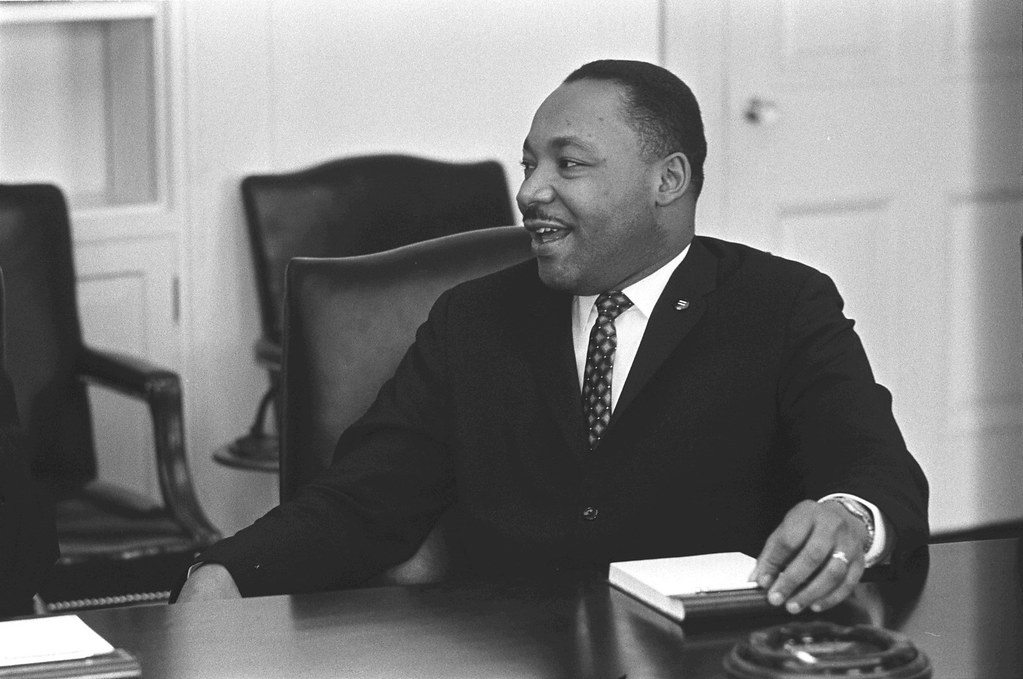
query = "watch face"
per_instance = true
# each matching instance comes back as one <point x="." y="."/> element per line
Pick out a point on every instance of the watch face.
<point x="823" y="649"/>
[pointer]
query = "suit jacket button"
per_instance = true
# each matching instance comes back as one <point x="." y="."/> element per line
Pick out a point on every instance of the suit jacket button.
<point x="590" y="513"/>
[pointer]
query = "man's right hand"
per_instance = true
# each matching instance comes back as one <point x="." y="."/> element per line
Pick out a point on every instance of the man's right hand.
<point x="209" y="582"/>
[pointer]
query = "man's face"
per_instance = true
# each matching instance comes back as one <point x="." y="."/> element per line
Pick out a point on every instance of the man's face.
<point x="589" y="191"/>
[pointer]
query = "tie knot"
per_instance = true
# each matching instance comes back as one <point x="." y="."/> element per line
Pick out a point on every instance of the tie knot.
<point x="611" y="304"/>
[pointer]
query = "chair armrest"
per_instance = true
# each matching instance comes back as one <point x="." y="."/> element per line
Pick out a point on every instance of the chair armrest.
<point x="160" y="388"/>
<point x="130" y="375"/>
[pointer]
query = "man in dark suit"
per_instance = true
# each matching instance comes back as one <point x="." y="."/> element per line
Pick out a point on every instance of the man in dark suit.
<point x="633" y="392"/>
<point x="28" y="539"/>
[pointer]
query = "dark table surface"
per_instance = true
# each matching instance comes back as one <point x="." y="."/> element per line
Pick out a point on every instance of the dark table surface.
<point x="964" y="610"/>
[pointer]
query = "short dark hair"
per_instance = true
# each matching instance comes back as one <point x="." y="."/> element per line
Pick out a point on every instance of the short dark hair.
<point x="661" y="108"/>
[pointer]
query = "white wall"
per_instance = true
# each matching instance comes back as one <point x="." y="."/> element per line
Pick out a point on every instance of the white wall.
<point x="276" y="84"/>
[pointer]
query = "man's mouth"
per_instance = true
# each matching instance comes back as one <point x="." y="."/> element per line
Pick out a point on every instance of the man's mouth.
<point x="547" y="232"/>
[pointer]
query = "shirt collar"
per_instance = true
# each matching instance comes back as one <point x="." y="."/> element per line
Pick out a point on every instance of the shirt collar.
<point x="643" y="294"/>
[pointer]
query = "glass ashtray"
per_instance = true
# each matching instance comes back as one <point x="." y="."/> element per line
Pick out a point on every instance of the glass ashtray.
<point x="805" y="650"/>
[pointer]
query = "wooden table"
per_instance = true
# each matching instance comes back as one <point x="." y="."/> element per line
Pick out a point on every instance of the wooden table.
<point x="965" y="612"/>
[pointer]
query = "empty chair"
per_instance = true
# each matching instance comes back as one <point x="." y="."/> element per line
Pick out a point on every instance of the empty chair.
<point x="116" y="547"/>
<point x="354" y="206"/>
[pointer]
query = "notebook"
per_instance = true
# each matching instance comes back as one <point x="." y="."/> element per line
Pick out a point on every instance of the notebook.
<point x="701" y="585"/>
<point x="60" y="646"/>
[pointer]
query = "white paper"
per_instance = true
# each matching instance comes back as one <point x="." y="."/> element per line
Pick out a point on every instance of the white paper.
<point x="48" y="639"/>
<point x="675" y="576"/>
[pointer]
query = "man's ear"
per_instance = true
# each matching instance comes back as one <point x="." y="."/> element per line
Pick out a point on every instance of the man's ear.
<point x="676" y="176"/>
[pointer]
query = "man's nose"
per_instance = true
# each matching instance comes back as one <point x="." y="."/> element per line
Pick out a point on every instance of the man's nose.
<point x="535" y="189"/>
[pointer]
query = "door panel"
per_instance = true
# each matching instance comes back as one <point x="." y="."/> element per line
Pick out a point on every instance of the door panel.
<point x="881" y="143"/>
<point x="126" y="297"/>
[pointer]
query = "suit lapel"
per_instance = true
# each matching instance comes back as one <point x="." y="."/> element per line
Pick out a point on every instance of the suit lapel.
<point x="549" y="331"/>
<point x="668" y="325"/>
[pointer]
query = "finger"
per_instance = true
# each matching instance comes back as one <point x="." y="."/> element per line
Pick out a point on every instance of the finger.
<point x="832" y="583"/>
<point x="810" y="564"/>
<point x="810" y="560"/>
<point x="781" y="545"/>
<point x="841" y="593"/>
<point x="777" y="552"/>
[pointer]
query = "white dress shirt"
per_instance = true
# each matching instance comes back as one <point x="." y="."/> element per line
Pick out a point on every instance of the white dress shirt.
<point x="629" y="328"/>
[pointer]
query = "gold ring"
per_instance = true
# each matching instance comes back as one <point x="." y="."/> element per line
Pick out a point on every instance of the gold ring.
<point x="841" y="557"/>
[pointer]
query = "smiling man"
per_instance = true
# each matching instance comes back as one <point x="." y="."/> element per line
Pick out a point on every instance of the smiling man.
<point x="606" y="208"/>
<point x="633" y="392"/>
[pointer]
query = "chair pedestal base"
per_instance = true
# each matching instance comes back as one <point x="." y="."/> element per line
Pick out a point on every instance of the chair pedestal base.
<point x="257" y="452"/>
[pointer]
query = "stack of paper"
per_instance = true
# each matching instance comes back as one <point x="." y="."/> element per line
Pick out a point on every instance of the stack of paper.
<point x="703" y="584"/>
<point x="60" y="646"/>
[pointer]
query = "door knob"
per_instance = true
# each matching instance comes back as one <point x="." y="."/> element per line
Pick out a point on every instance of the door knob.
<point x="763" y="112"/>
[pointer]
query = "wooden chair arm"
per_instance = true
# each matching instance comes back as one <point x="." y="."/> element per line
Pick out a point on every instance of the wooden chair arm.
<point x="160" y="388"/>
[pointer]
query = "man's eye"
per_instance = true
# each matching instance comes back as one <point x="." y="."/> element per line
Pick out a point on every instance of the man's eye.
<point x="567" y="163"/>
<point x="527" y="166"/>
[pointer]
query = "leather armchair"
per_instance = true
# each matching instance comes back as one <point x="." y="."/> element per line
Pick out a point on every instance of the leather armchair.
<point x="354" y="206"/>
<point x="348" y="322"/>
<point x="115" y="546"/>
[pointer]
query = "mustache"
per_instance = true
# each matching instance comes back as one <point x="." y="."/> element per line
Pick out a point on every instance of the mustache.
<point x="533" y="213"/>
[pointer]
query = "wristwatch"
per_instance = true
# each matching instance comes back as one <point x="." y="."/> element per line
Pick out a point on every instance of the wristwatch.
<point x="861" y="513"/>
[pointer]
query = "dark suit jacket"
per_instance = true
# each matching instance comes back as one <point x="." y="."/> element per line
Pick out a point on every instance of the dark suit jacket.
<point x="754" y="397"/>
<point x="28" y="539"/>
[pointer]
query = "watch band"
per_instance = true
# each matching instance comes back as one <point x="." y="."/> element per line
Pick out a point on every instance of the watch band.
<point x="861" y="513"/>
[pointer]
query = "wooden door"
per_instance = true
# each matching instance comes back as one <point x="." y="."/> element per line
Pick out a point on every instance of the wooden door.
<point x="880" y="142"/>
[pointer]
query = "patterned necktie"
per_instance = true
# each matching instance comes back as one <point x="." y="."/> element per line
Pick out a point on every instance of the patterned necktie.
<point x="600" y="357"/>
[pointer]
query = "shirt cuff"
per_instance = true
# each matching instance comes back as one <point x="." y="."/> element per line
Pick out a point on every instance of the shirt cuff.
<point x="879" y="547"/>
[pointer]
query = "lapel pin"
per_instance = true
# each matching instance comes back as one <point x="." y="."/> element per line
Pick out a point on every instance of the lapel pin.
<point x="681" y="305"/>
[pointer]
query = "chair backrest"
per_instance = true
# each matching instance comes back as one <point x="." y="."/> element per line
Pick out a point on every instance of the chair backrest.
<point x="360" y="205"/>
<point x="350" y="320"/>
<point x="43" y="333"/>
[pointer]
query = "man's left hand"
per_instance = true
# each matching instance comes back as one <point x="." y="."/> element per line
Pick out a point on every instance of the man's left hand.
<point x="814" y="558"/>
